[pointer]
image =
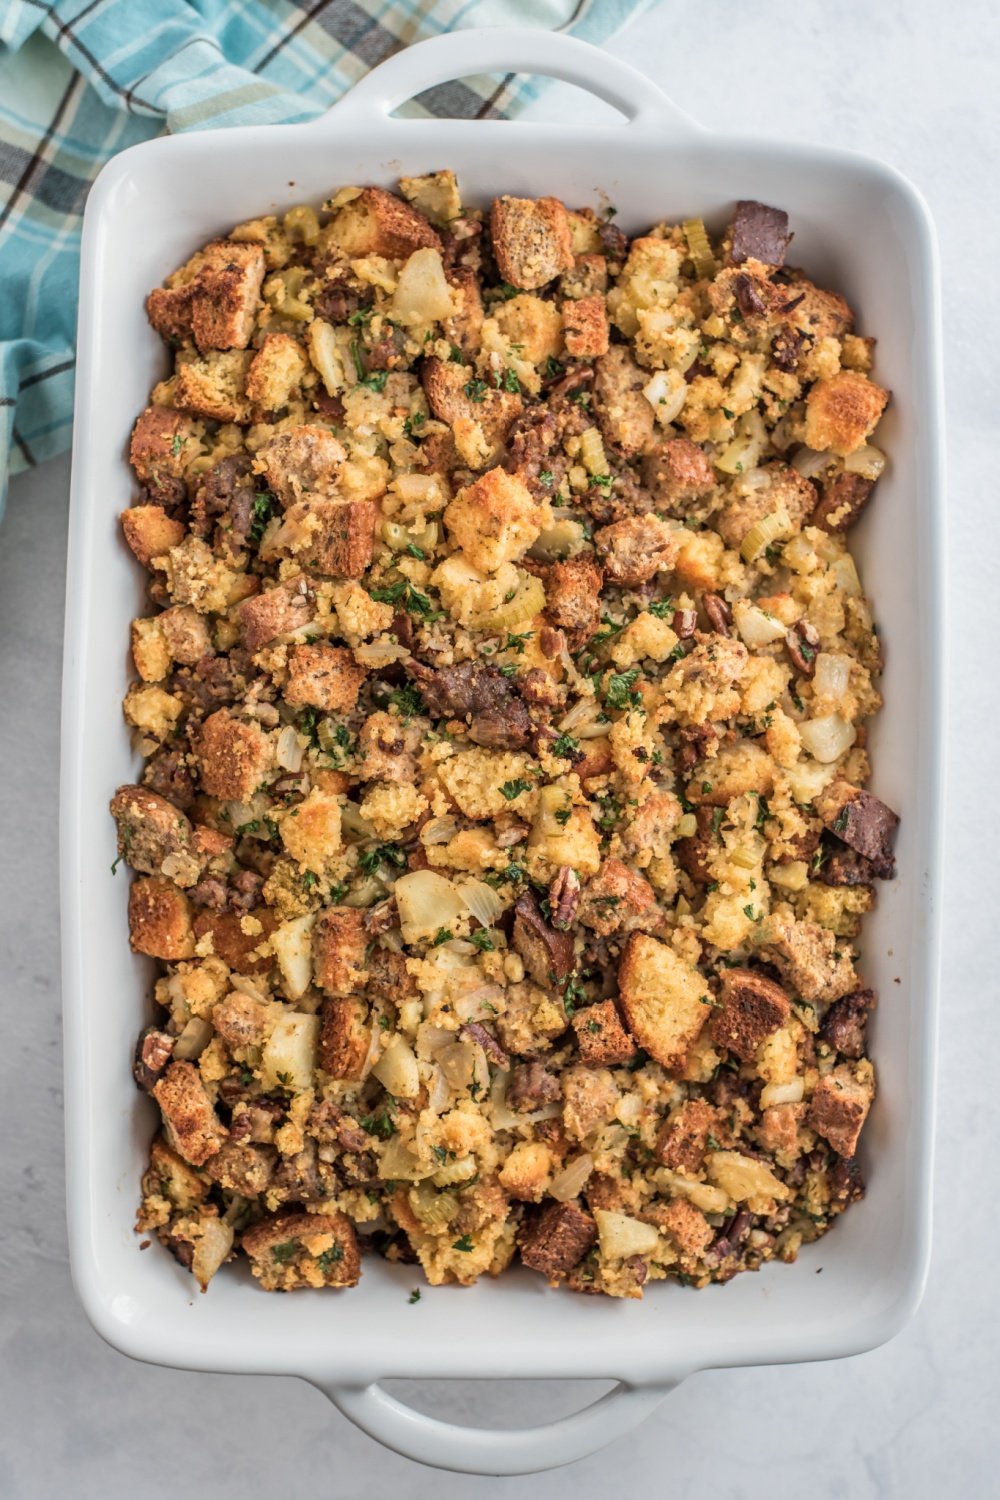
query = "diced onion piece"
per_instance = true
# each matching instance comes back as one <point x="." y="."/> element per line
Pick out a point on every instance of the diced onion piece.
<point x="427" y="902"/>
<point x="483" y="901"/>
<point x="288" y="751"/>
<point x="744" y="1178"/>
<point x="367" y="893"/>
<point x="353" y="822"/>
<point x="844" y="575"/>
<point x="808" y="463"/>
<point x="210" y="1249"/>
<point x="782" y="1093"/>
<point x="439" y="830"/>
<point x="687" y="826"/>
<point x="806" y="779"/>
<point x="582" y="716"/>
<point x="528" y="601"/>
<point x="422" y="292"/>
<point x="398" y="1162"/>
<point x="833" y="673"/>
<point x="193" y="1040"/>
<point x="828" y="738"/>
<point x="868" y="461"/>
<point x="711" y="1200"/>
<point x="666" y="393"/>
<point x="743" y="453"/>
<point x="380" y="653"/>
<point x="396" y="1070"/>
<point x="570" y="1182"/>
<point x="292" y="944"/>
<point x="755" y="625"/>
<point x="793" y="876"/>
<point x="699" y="247"/>
<point x="761" y="535"/>
<point x="622" y="1236"/>
<point x="289" y="1052"/>
<point x="564" y="539"/>
<point x="456" y="1062"/>
<point x="483" y="1000"/>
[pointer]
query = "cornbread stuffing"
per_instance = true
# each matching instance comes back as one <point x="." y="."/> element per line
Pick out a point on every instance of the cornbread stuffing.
<point x="503" y="835"/>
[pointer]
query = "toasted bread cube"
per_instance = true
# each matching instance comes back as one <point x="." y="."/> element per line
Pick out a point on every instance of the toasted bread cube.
<point x="339" y="535"/>
<point x="625" y="417"/>
<point x="311" y="831"/>
<point x="493" y="520"/>
<point x="456" y="398"/>
<point x="842" y="412"/>
<point x="275" y="612"/>
<point x="339" y="943"/>
<point x="617" y="899"/>
<point x="323" y="676"/>
<point x="226" y="295"/>
<point x="809" y="959"/>
<point x="379" y="223"/>
<point x="185" y="633"/>
<point x="344" y="1038"/>
<point x="169" y="1176"/>
<point x="233" y="756"/>
<point x="531" y="326"/>
<point x="149" y="650"/>
<point x="573" y="597"/>
<point x="590" y="1096"/>
<point x="169" y="312"/>
<point x="214" y="387"/>
<point x="305" y="460"/>
<point x="152" y="710"/>
<point x="635" y="549"/>
<point x="839" y="1107"/>
<point x="240" y="1020"/>
<point x="527" y="1172"/>
<point x="276" y="372"/>
<point x="290" y="1250"/>
<point x="601" y="1037"/>
<point x="736" y="770"/>
<point x="159" y="919"/>
<point x="678" y="472"/>
<point x="532" y="240"/>
<point x="786" y="491"/>
<point x="239" y="938"/>
<point x="684" y="1136"/>
<point x="752" y="1007"/>
<point x="149" y="828"/>
<point x="586" y="327"/>
<point x="779" y="1128"/>
<point x="557" y="1239"/>
<point x="463" y="327"/>
<point x="664" y="1000"/>
<point x="150" y="532"/>
<point x="193" y="1128"/>
<point x="163" y="443"/>
<point x="687" y="1225"/>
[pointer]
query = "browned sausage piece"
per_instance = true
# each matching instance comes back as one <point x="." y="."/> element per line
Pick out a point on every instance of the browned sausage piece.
<point x="759" y="233"/>
<point x="843" y="1028"/>
<point x="863" y="822"/>
<point x="558" y="1238"/>
<point x="547" y="954"/>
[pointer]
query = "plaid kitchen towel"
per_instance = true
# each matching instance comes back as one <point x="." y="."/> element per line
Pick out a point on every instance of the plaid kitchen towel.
<point x="82" y="79"/>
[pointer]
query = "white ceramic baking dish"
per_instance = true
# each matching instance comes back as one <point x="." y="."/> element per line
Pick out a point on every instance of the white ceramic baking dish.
<point x="859" y="227"/>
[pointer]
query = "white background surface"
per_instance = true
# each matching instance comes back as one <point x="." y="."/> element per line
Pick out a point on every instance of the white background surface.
<point x="918" y="87"/>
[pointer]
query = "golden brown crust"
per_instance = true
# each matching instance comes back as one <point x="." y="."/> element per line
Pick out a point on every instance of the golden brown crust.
<point x="150" y="532"/>
<point x="289" y="1250"/>
<point x="586" y="327"/>
<point x="272" y="613"/>
<point x="195" y="1129"/>
<point x="839" y="1106"/>
<point x="232" y="756"/>
<point x="684" y="1136"/>
<point x="532" y="240"/>
<point x="323" y="676"/>
<point x="664" y="1000"/>
<point x="344" y="1037"/>
<point x="842" y="412"/>
<point x="752" y="1007"/>
<point x="339" y="943"/>
<point x="601" y="1038"/>
<point x="159" y="919"/>
<point x="239" y="938"/>
<point x="379" y="223"/>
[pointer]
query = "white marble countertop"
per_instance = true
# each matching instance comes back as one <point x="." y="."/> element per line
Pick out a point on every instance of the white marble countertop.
<point x="918" y="87"/>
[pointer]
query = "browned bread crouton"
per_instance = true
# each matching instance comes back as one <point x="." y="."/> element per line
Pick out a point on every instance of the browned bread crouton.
<point x="686" y="1225"/>
<point x="169" y="1176"/>
<point x="323" y="676"/>
<point x="809" y="959"/>
<point x="456" y="397"/>
<point x="214" y="387"/>
<point x="149" y="650"/>
<point x="379" y="223"/>
<point x="344" y="1037"/>
<point x="339" y="943"/>
<point x="839" y="1107"/>
<point x="149" y="828"/>
<point x="743" y="767"/>
<point x="163" y="443"/>
<point x="464" y="326"/>
<point x="194" y="1129"/>
<point x="150" y="532"/>
<point x="601" y="1037"/>
<point x="677" y="471"/>
<point x="186" y="633"/>
<point x="573" y="597"/>
<point x="305" y="460"/>
<point x="239" y="938"/>
<point x="695" y="853"/>
<point x="272" y="613"/>
<point x="532" y="240"/>
<point x="233" y="756"/>
<point x="213" y="299"/>
<point x="842" y="412"/>
<point x="653" y="822"/>
<point x="388" y="976"/>
<point x="240" y="1020"/>
<point x="159" y="919"/>
<point x="665" y="1000"/>
<point x="785" y="490"/>
<point x="617" y="899"/>
<point x="779" y="1128"/>
<point x="290" y="1250"/>
<point x="624" y="415"/>
<point x="752" y="1007"/>
<point x="636" y="549"/>
<point x="340" y="535"/>
<point x="275" y="372"/>
<point x="585" y="324"/>
<point x="684" y="1135"/>
<point x="493" y="520"/>
<point x="556" y="1239"/>
<point x="242" y="1168"/>
<point x="862" y="821"/>
<point x="590" y="1096"/>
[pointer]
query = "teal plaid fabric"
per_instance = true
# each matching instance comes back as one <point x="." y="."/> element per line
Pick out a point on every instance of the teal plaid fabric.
<point x="82" y="79"/>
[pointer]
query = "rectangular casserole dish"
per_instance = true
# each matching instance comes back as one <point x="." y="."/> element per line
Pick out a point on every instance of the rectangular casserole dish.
<point x="860" y="228"/>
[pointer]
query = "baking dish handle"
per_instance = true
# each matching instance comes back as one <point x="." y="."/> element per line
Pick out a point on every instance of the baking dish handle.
<point x="484" y="1450"/>
<point x="514" y="49"/>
